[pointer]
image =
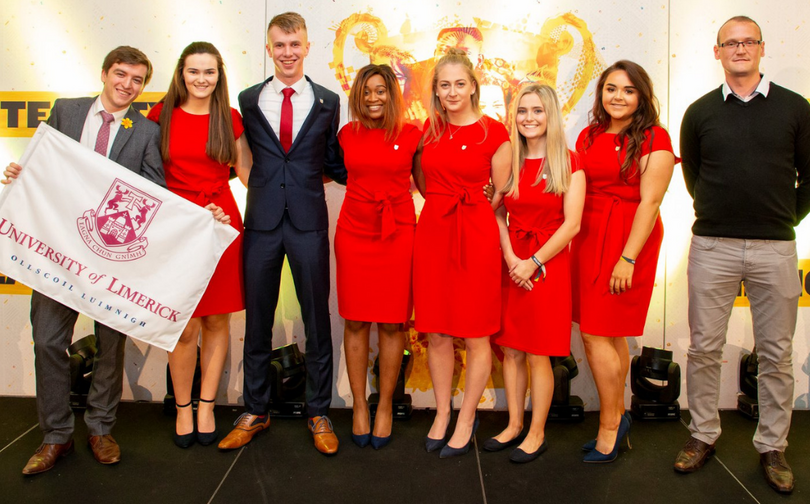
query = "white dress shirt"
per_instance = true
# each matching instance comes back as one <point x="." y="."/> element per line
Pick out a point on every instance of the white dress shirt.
<point x="94" y="121"/>
<point x="762" y="88"/>
<point x="270" y="99"/>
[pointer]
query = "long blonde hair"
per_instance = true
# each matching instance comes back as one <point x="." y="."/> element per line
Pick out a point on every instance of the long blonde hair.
<point x="557" y="164"/>
<point x="436" y="112"/>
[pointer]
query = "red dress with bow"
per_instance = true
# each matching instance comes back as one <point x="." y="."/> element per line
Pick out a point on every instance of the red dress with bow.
<point x="610" y="207"/>
<point x="375" y="229"/>
<point x="191" y="174"/>
<point x="457" y="256"/>
<point x="537" y="321"/>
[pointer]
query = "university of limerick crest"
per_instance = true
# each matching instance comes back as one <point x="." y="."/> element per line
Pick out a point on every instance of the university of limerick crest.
<point x="115" y="230"/>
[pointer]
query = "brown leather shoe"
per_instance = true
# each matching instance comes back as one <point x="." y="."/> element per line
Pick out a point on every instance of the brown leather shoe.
<point x="326" y="441"/>
<point x="247" y="426"/>
<point x="777" y="471"/>
<point x="693" y="455"/>
<point x="105" y="449"/>
<point x="46" y="456"/>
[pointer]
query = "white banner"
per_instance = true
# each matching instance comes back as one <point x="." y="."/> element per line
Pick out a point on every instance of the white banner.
<point x="108" y="243"/>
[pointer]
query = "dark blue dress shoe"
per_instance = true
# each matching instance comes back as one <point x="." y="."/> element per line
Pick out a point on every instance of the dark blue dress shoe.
<point x="596" y="457"/>
<point x="431" y="445"/>
<point x="590" y="445"/>
<point x="379" y="442"/>
<point x="448" y="451"/>
<point x="493" y="445"/>
<point x="184" y="440"/>
<point x="361" y="440"/>
<point x="206" y="438"/>
<point x="521" y="457"/>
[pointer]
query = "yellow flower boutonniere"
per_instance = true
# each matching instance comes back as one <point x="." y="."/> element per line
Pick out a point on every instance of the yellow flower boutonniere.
<point x="126" y="123"/>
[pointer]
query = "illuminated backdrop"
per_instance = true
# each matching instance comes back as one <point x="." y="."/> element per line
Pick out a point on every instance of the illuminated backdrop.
<point x="53" y="49"/>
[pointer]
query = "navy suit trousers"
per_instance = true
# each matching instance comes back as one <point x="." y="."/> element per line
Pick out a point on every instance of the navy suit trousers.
<point x="308" y="255"/>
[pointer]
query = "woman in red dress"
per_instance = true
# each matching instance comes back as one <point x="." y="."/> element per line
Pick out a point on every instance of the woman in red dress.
<point x="201" y="137"/>
<point x="374" y="241"/>
<point x="544" y="199"/>
<point x="628" y="161"/>
<point x="456" y="255"/>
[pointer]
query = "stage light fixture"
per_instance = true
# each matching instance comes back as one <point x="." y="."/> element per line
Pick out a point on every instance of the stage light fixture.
<point x="82" y="354"/>
<point x="402" y="402"/>
<point x="564" y="406"/>
<point x="288" y="379"/>
<point x="747" y="401"/>
<point x="655" y="401"/>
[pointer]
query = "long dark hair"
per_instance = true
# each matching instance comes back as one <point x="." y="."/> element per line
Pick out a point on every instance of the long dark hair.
<point x="645" y="117"/>
<point x="394" y="108"/>
<point x="221" y="145"/>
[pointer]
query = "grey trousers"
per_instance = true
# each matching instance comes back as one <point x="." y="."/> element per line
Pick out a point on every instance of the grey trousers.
<point x="52" y="325"/>
<point x="769" y="269"/>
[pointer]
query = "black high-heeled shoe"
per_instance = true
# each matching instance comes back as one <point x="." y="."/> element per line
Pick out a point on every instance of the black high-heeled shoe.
<point x="448" y="451"/>
<point x="185" y="440"/>
<point x="431" y="444"/>
<point x="206" y="438"/>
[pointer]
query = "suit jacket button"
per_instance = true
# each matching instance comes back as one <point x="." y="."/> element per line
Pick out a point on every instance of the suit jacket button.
<point x="286" y="160"/>
<point x="282" y="186"/>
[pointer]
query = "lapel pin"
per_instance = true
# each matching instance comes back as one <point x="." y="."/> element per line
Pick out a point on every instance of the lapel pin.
<point x="321" y="100"/>
<point x="396" y="147"/>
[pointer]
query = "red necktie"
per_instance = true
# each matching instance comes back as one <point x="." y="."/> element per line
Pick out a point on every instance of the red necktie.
<point x="103" y="137"/>
<point x="286" y="119"/>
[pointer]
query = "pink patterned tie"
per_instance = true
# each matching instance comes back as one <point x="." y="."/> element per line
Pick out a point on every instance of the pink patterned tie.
<point x="104" y="133"/>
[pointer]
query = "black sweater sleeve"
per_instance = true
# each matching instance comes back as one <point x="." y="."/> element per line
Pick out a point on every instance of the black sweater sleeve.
<point x="690" y="150"/>
<point x="802" y="160"/>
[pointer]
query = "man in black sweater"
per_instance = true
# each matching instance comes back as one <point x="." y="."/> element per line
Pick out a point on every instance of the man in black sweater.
<point x="746" y="163"/>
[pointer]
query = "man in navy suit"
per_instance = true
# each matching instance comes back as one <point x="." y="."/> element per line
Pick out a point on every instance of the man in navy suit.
<point x="291" y="124"/>
<point x="113" y="128"/>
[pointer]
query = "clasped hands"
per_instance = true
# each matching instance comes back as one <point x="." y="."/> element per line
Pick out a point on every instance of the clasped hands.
<point x="521" y="271"/>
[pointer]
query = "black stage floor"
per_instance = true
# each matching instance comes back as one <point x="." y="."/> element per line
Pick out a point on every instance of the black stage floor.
<point x="281" y="465"/>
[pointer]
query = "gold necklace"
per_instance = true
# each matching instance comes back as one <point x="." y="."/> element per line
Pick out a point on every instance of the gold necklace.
<point x="450" y="130"/>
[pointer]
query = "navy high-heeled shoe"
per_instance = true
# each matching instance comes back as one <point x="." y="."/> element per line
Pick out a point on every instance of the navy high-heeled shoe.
<point x="184" y="440"/>
<point x="378" y="442"/>
<point x="431" y="444"/>
<point x="448" y="451"/>
<point x="590" y="445"/>
<point x="362" y="440"/>
<point x="596" y="457"/>
<point x="206" y="438"/>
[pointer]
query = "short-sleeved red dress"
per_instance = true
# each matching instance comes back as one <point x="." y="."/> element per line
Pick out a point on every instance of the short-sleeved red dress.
<point x="190" y="173"/>
<point x="537" y="321"/>
<point x="375" y="229"/>
<point x="610" y="207"/>
<point x="457" y="257"/>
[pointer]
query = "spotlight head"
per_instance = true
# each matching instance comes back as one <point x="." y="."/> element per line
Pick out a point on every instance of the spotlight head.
<point x="655" y="401"/>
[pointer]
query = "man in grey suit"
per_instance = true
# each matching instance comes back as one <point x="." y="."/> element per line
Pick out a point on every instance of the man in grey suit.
<point x="109" y="125"/>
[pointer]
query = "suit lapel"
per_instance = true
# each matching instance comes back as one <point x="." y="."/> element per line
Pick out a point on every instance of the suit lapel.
<point x="254" y="101"/>
<point x="75" y="119"/>
<point x="313" y="114"/>
<point x="124" y="134"/>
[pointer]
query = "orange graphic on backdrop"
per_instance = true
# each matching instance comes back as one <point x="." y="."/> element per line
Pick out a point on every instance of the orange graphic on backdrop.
<point x="562" y="55"/>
